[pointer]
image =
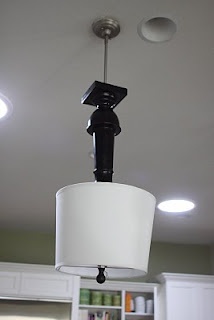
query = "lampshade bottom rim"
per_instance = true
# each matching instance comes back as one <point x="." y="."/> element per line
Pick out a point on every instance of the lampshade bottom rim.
<point x="91" y="271"/>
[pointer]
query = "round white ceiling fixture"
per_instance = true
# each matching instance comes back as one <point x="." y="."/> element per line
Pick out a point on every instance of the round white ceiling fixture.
<point x="5" y="107"/>
<point x="157" y="29"/>
<point x="176" y="206"/>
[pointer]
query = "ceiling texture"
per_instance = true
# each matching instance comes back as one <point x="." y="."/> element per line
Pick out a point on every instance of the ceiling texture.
<point x="48" y="59"/>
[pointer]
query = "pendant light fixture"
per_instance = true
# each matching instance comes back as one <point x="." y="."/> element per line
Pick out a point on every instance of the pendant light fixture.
<point x="103" y="229"/>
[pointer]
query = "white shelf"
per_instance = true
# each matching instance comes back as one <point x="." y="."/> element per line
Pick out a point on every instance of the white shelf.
<point x="135" y="314"/>
<point x="91" y="306"/>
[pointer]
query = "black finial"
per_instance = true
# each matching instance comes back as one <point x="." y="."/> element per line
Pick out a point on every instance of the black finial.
<point x="101" y="277"/>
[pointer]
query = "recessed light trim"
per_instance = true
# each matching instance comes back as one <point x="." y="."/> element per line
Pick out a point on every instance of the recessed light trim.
<point x="6" y="107"/>
<point x="157" y="29"/>
<point x="176" y="206"/>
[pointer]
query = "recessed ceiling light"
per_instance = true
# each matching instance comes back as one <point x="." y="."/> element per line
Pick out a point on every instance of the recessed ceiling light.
<point x="176" y="206"/>
<point x="5" y="107"/>
<point x="158" y="29"/>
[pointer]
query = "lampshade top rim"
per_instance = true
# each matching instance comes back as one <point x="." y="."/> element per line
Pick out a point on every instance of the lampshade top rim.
<point x="104" y="184"/>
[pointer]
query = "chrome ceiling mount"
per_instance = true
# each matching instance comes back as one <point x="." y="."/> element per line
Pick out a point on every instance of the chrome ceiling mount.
<point x="106" y="27"/>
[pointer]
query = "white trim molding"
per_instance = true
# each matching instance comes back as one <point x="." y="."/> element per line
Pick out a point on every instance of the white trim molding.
<point x="182" y="277"/>
<point x="39" y="282"/>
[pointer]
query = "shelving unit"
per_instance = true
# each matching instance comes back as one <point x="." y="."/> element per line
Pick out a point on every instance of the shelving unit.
<point x="147" y="290"/>
<point x="91" y="306"/>
<point x="136" y="314"/>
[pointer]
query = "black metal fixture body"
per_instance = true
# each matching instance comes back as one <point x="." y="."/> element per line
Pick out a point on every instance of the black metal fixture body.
<point x="103" y="124"/>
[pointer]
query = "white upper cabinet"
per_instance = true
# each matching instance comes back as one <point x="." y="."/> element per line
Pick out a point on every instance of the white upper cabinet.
<point x="36" y="282"/>
<point x="9" y="283"/>
<point x="185" y="297"/>
<point x="207" y="301"/>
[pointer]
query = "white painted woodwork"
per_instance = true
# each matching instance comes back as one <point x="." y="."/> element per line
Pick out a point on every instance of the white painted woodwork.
<point x="136" y="288"/>
<point x="38" y="282"/>
<point x="9" y="282"/>
<point x="25" y="281"/>
<point x="207" y="297"/>
<point x="185" y="297"/>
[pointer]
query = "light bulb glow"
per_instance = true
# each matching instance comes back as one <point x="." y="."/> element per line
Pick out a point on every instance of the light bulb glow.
<point x="3" y="109"/>
<point x="176" y="206"/>
<point x="6" y="107"/>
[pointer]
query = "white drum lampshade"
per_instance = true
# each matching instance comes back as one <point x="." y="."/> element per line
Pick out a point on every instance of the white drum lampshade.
<point x="103" y="224"/>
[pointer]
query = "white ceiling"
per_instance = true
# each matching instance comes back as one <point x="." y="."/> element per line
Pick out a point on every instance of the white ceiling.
<point x="49" y="57"/>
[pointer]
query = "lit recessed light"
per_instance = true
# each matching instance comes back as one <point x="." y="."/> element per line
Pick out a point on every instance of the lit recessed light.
<point x="157" y="29"/>
<point x="5" y="107"/>
<point x="176" y="206"/>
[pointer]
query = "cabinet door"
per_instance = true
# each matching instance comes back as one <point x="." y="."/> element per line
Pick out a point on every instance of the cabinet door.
<point x="9" y="283"/>
<point x="183" y="302"/>
<point x="207" y="303"/>
<point x="46" y="286"/>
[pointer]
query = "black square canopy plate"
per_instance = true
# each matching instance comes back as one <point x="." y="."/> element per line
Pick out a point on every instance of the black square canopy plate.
<point x="98" y="89"/>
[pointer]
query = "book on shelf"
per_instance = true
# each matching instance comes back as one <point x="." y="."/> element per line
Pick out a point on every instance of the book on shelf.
<point x="83" y="315"/>
<point x="98" y="315"/>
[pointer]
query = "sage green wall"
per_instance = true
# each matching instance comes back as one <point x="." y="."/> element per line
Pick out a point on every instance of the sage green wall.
<point x="38" y="248"/>
<point x="212" y="257"/>
<point x="27" y="247"/>
<point x="178" y="258"/>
